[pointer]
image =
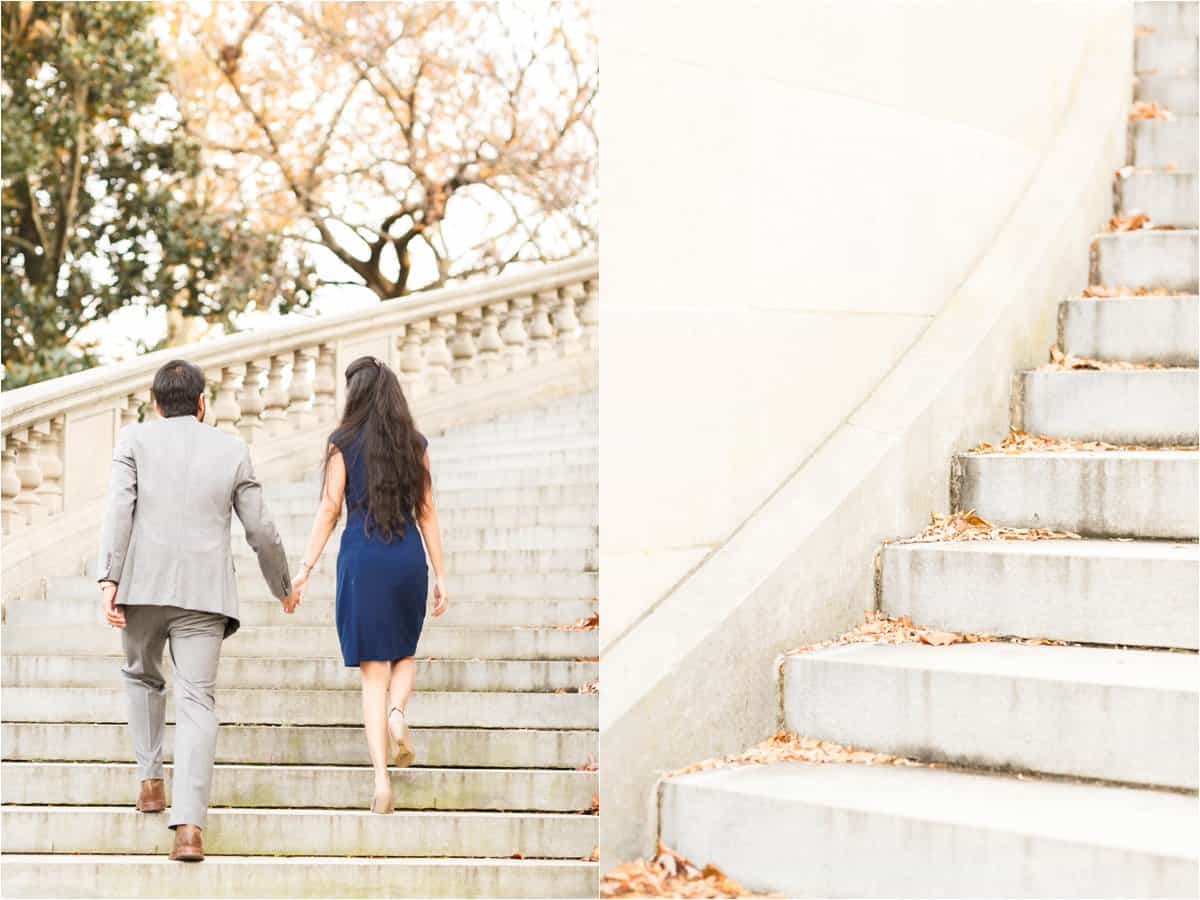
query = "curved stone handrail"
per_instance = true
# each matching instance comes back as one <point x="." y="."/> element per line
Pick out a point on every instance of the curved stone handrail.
<point x="58" y="434"/>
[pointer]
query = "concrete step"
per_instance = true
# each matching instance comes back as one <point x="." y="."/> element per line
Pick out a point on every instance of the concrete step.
<point x="1165" y="54"/>
<point x="295" y="526"/>
<point x="1138" y="494"/>
<point x="82" y="606"/>
<point x="1119" y="715"/>
<point x="1169" y="198"/>
<point x="480" y="496"/>
<point x="1140" y="593"/>
<point x="1178" y="16"/>
<point x="311" y="745"/>
<point x="304" y="641"/>
<point x="474" y="479"/>
<point x="1176" y="92"/>
<point x="1162" y="143"/>
<point x="309" y="787"/>
<point x="558" y="585"/>
<point x="427" y="709"/>
<point x="290" y="832"/>
<point x="33" y="875"/>
<point x="882" y="831"/>
<point x="1149" y="259"/>
<point x="581" y="427"/>
<point x="1132" y="329"/>
<point x="450" y="449"/>
<point x="532" y="676"/>
<point x="1151" y="407"/>
<point x="455" y="559"/>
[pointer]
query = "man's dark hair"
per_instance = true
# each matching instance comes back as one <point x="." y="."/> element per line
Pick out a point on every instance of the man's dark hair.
<point x="177" y="388"/>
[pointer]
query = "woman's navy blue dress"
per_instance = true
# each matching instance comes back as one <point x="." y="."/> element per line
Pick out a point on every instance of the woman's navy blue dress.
<point x="382" y="586"/>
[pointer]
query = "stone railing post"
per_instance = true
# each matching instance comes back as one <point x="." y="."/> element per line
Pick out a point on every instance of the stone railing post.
<point x="10" y="487"/>
<point x="464" y="350"/>
<point x="51" y="491"/>
<point x="29" y="470"/>
<point x="325" y="386"/>
<point x="411" y="358"/>
<point x="437" y="353"/>
<point x="589" y="314"/>
<point x="276" y="395"/>
<point x="516" y="338"/>
<point x="226" y="412"/>
<point x="250" y="400"/>
<point x="491" y="345"/>
<point x="565" y="320"/>
<point x="540" y="329"/>
<point x="301" y="391"/>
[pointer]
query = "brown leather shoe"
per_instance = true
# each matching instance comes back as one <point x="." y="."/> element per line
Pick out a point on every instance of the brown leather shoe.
<point x="153" y="798"/>
<point x="188" y="846"/>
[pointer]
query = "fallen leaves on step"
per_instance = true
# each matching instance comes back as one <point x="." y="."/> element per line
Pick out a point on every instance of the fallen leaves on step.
<point x="595" y="807"/>
<point x="784" y="746"/>
<point x="1143" y="30"/>
<point x="1022" y="442"/>
<point x="668" y="874"/>
<point x="589" y="765"/>
<point x="1133" y="222"/>
<point x="593" y="857"/>
<point x="1064" y="362"/>
<point x="1100" y="290"/>
<point x="967" y="526"/>
<point x="877" y="628"/>
<point x="587" y="623"/>
<point x="590" y="687"/>
<point x="1149" y="109"/>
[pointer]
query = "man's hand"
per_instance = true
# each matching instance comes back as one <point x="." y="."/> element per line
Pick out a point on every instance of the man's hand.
<point x="440" y="599"/>
<point x="113" y="614"/>
<point x="292" y="600"/>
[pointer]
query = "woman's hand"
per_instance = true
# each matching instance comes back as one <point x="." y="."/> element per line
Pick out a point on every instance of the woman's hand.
<point x="440" y="599"/>
<point x="299" y="585"/>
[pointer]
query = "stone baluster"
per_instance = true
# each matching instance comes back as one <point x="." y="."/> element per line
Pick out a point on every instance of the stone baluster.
<point x="589" y="314"/>
<point x="491" y="345"/>
<point x="51" y="491"/>
<point x="325" y="386"/>
<point x="541" y="331"/>
<point x="10" y="487"/>
<point x="275" y="397"/>
<point x="149" y="407"/>
<point x="29" y="470"/>
<point x="129" y="412"/>
<point x="516" y="338"/>
<point x="411" y="358"/>
<point x="250" y="400"/>
<point x="464" y="350"/>
<point x="565" y="320"/>
<point x="226" y="412"/>
<point x="437" y="353"/>
<point x="301" y="391"/>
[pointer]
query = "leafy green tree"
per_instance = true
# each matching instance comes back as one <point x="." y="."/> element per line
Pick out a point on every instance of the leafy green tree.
<point x="105" y="204"/>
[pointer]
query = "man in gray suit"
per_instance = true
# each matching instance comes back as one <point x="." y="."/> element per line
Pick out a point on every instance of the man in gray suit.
<point x="166" y="576"/>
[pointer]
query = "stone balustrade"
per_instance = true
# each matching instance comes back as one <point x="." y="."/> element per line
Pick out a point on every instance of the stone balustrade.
<point x="58" y="435"/>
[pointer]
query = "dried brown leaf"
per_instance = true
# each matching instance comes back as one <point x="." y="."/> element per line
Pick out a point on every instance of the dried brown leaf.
<point x="1134" y="222"/>
<point x="1149" y="109"/>
<point x="1022" y="442"/>
<point x="668" y="874"/>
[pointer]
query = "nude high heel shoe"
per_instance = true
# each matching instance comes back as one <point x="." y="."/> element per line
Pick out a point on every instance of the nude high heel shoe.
<point x="398" y="728"/>
<point x="381" y="803"/>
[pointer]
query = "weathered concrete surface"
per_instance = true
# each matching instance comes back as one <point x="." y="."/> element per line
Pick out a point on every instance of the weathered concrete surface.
<point x="1171" y="17"/>
<point x="1164" y="143"/>
<point x="311" y="745"/>
<point x="298" y="673"/>
<point x="460" y="709"/>
<point x="249" y="876"/>
<point x="881" y="831"/>
<point x="1140" y="593"/>
<point x="1149" y="259"/>
<point x="1169" y="198"/>
<point x="1120" y="715"/>
<point x="1115" y="493"/>
<point x="1163" y="53"/>
<point x="1165" y="330"/>
<point x="1177" y="92"/>
<point x="302" y="832"/>
<point x="312" y="641"/>
<point x="1144" y="407"/>
<point x="321" y="787"/>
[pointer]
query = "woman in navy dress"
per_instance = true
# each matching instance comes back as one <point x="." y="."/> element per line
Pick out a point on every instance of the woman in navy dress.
<point x="377" y="462"/>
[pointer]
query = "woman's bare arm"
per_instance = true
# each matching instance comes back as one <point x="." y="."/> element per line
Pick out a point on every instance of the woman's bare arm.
<point x="328" y="512"/>
<point x="428" y="523"/>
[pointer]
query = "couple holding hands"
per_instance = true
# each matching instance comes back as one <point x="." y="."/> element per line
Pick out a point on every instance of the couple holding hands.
<point x="167" y="577"/>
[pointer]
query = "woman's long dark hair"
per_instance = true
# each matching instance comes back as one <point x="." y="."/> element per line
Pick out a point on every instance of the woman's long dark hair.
<point x="394" y="454"/>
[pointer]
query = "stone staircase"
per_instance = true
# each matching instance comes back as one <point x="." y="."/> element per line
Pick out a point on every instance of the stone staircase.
<point x="500" y="801"/>
<point x="1060" y="770"/>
